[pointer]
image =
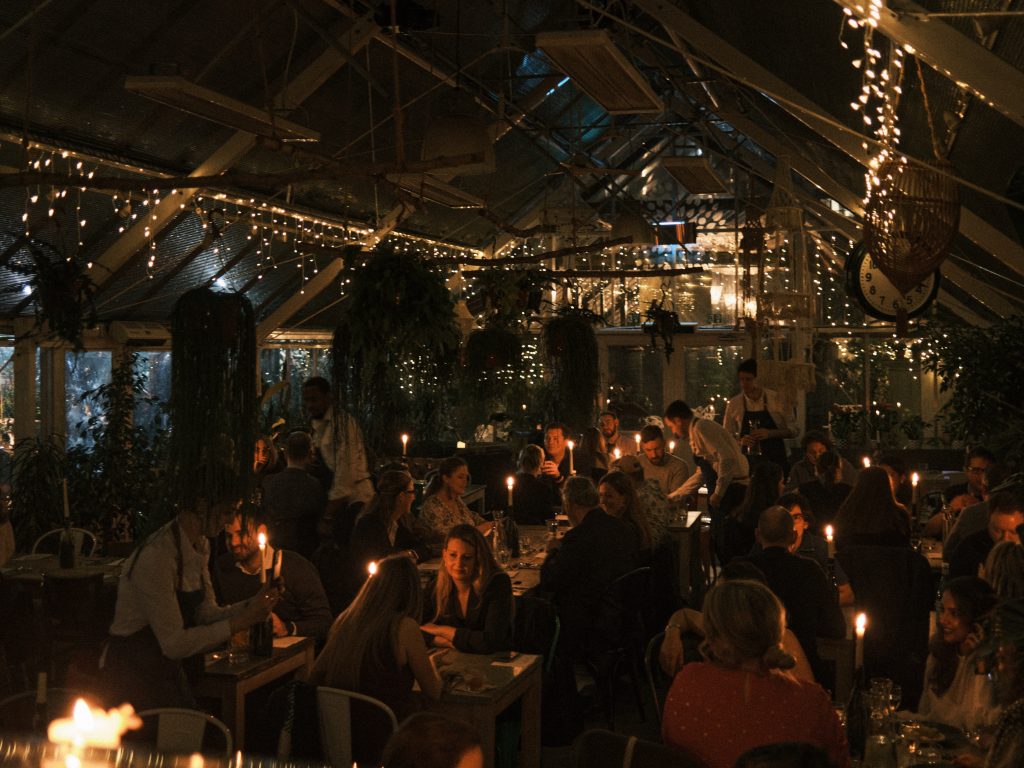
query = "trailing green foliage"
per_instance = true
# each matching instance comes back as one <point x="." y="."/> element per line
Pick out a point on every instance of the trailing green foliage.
<point x="213" y="397"/>
<point x="395" y="349"/>
<point x="570" y="347"/>
<point x="983" y="369"/>
<point x="37" y="488"/>
<point x="117" y="485"/>
<point x="507" y="298"/>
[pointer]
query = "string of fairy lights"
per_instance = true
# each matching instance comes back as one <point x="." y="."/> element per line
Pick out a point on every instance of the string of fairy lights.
<point x="283" y="238"/>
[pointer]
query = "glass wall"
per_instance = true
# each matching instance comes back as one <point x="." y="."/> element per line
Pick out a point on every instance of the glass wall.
<point x="710" y="374"/>
<point x="6" y="390"/>
<point x="151" y="411"/>
<point x="84" y="372"/>
<point x="282" y="371"/>
<point x="635" y="383"/>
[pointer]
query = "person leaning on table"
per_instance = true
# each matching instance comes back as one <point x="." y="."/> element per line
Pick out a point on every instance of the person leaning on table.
<point x="166" y="612"/>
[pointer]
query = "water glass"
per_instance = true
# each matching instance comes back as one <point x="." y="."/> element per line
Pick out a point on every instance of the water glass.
<point x="552" y="528"/>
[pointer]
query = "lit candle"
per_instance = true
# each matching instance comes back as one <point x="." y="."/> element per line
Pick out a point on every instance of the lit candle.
<point x="572" y="445"/>
<point x="830" y="540"/>
<point x="861" y="626"/>
<point x="637" y="438"/>
<point x="671" y="446"/>
<point x="510" y="482"/>
<point x="372" y="568"/>
<point x="914" y="480"/>
<point x="93" y="727"/>
<point x="405" y="444"/>
<point x="278" y="556"/>
<point x="261" y="537"/>
<point x="867" y="462"/>
<point x="617" y="454"/>
<point x="67" y="507"/>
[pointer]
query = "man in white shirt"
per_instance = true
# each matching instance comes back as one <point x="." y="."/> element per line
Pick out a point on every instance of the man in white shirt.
<point x="758" y="418"/>
<point x="709" y="440"/>
<point x="339" y="446"/>
<point x="669" y="471"/>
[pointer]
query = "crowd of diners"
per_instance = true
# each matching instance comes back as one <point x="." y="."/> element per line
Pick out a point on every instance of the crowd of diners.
<point x="746" y="669"/>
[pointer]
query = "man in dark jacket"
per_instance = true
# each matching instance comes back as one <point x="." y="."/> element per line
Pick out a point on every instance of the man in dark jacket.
<point x="303" y="608"/>
<point x="581" y="567"/>
<point x="1005" y="514"/>
<point x="812" y="607"/>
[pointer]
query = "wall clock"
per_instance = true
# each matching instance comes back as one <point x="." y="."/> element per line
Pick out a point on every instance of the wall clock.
<point x="880" y="298"/>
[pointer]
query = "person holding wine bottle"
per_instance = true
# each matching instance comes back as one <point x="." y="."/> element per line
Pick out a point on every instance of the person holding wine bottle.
<point x="303" y="608"/>
<point x="166" y="611"/>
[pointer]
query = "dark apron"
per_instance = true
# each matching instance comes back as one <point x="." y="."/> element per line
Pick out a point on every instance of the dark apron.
<point x="136" y="669"/>
<point x="774" y="448"/>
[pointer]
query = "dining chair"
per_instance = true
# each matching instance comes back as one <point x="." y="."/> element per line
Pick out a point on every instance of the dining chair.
<point x="656" y="678"/>
<point x="49" y="542"/>
<point x="183" y="731"/>
<point x="599" y="748"/>
<point x="334" y="706"/>
<point x="18" y="710"/>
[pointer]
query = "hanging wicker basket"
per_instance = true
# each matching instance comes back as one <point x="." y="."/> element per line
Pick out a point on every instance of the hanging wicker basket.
<point x="911" y="220"/>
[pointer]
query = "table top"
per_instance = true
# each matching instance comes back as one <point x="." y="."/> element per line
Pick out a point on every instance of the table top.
<point x="34" y="567"/>
<point x="218" y="664"/>
<point x="480" y="677"/>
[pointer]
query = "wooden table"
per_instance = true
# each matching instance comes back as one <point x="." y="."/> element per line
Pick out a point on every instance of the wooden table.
<point x="512" y="681"/>
<point x="230" y="682"/>
<point x="687" y="537"/>
<point x="32" y="569"/>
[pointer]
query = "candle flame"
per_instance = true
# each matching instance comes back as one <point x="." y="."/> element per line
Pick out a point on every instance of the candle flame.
<point x="571" y="445"/>
<point x="510" y="482"/>
<point x="637" y="438"/>
<point x="828" y="533"/>
<point x="867" y="462"/>
<point x="617" y="453"/>
<point x="915" y="478"/>
<point x="405" y="439"/>
<point x="89" y="727"/>
<point x="372" y="568"/>
<point x="671" y="445"/>
<point x="861" y="624"/>
<point x="261" y="537"/>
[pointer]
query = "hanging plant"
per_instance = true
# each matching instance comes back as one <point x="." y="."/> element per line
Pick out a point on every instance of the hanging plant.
<point x="395" y="348"/>
<point x="37" y="476"/>
<point x="507" y="297"/>
<point x="570" y="346"/>
<point x="982" y="369"/>
<point x="63" y="290"/>
<point x="213" y="397"/>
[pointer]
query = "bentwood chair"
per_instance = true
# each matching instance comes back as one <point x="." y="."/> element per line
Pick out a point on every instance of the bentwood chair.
<point x="185" y="731"/>
<point x="335" y="708"/>
<point x="18" y="710"/>
<point x="605" y="749"/>
<point x="49" y="542"/>
<point x="657" y="680"/>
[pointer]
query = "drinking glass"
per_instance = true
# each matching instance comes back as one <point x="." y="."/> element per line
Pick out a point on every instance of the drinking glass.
<point x="552" y="528"/>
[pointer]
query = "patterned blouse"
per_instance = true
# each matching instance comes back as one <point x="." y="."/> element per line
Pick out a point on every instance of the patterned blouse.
<point x="656" y="508"/>
<point x="441" y="518"/>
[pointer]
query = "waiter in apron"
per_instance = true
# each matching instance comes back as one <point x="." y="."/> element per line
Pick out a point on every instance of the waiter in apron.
<point x="757" y="418"/>
<point x="166" y="612"/>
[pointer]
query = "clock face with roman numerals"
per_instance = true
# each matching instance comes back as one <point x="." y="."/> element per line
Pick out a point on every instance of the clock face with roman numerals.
<point x="880" y="298"/>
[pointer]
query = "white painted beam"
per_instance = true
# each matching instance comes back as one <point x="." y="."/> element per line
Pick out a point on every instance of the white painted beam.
<point x="964" y="61"/>
<point x="309" y="290"/>
<point x="302" y="87"/>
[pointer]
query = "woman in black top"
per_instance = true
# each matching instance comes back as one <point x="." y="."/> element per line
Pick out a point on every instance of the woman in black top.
<point x="870" y="515"/>
<point x="533" y="500"/>
<point x="385" y="527"/>
<point x="471" y="600"/>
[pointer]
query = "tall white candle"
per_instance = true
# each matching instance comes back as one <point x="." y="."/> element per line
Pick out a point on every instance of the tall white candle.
<point x="636" y="437"/>
<point x="830" y="540"/>
<point x="572" y="470"/>
<point x="261" y="537"/>
<point x="671" y="446"/>
<point x="510" y="482"/>
<point x="617" y="454"/>
<point x="914" y="480"/>
<point x="860" y="627"/>
<point x="405" y="444"/>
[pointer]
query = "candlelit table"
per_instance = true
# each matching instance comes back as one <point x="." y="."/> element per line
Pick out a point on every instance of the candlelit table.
<point x="230" y="681"/>
<point x="32" y="569"/>
<point x="488" y="686"/>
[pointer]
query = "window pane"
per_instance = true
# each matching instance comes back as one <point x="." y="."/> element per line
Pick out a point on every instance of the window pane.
<point x="634" y="383"/>
<point x="711" y="376"/>
<point x="7" y="390"/>
<point x="151" y="410"/>
<point x="289" y="366"/>
<point x="84" y="372"/>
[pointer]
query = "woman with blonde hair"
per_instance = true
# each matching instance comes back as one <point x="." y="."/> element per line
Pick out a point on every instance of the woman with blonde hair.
<point x="741" y="697"/>
<point x="472" y="597"/>
<point x="375" y="648"/>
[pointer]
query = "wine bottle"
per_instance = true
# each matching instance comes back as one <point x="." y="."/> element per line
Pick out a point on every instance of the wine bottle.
<point x="856" y="719"/>
<point x="40" y="716"/>
<point x="66" y="550"/>
<point x="261" y="635"/>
